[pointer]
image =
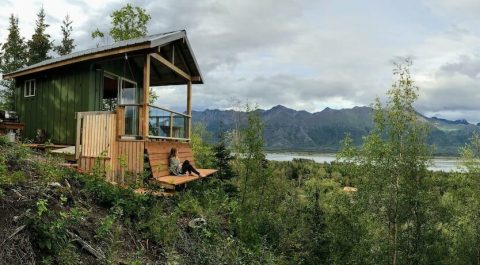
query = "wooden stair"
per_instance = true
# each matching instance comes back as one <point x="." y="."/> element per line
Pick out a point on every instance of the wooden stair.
<point x="158" y="153"/>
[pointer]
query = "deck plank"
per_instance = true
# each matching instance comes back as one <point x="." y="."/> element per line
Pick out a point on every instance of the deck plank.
<point x="179" y="180"/>
<point x="158" y="156"/>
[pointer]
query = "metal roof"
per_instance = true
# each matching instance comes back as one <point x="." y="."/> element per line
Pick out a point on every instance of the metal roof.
<point x="152" y="41"/>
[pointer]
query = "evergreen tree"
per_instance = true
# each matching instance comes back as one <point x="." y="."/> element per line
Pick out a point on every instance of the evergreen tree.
<point x="222" y="159"/>
<point x="13" y="57"/>
<point x="67" y="45"/>
<point x="40" y="44"/>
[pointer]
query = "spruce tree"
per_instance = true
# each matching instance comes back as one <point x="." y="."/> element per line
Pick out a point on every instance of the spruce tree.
<point x="222" y="159"/>
<point x="40" y="44"/>
<point x="67" y="45"/>
<point x="13" y="57"/>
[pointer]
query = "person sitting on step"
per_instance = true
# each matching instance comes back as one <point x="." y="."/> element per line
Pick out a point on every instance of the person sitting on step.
<point x="179" y="170"/>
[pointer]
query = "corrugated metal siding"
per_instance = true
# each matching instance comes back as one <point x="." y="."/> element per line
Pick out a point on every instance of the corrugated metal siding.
<point x="58" y="96"/>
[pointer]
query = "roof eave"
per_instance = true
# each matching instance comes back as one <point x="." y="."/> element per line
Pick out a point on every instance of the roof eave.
<point x="176" y="36"/>
<point x="111" y="52"/>
<point x="83" y="58"/>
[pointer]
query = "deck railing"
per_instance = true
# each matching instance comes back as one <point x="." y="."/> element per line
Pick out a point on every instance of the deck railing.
<point x="167" y="124"/>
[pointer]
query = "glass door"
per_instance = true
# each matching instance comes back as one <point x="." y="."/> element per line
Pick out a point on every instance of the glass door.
<point x="129" y="98"/>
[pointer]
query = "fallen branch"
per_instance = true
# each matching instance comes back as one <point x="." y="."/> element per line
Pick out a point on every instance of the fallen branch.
<point x="96" y="253"/>
<point x="18" y="230"/>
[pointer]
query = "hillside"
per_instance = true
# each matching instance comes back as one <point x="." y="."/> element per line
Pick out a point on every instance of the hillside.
<point x="291" y="130"/>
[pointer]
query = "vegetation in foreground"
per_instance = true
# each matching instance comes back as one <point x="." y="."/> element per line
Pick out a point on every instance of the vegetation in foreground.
<point x="254" y="211"/>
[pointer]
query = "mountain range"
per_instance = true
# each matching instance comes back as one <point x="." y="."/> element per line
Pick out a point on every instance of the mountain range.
<point x="291" y="130"/>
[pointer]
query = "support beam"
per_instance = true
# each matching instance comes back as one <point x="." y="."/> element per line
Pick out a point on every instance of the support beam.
<point x="146" y="96"/>
<point x="171" y="66"/>
<point x="189" y="108"/>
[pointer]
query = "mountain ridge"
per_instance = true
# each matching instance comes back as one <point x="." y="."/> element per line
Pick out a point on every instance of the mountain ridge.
<point x="287" y="129"/>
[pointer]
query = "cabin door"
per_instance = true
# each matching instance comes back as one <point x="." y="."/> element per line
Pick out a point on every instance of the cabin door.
<point x="129" y="98"/>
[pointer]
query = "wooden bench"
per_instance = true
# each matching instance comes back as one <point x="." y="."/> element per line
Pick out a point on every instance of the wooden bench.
<point x="158" y="153"/>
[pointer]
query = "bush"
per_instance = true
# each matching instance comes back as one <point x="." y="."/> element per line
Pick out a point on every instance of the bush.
<point x="109" y="195"/>
<point x="50" y="228"/>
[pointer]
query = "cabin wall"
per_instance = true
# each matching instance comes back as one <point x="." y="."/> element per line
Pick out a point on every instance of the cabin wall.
<point x="59" y="95"/>
<point x="64" y="91"/>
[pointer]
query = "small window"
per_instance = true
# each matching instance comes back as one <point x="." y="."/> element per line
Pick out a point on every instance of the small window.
<point x="29" y="89"/>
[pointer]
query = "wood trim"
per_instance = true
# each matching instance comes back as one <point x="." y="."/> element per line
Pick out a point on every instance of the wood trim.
<point x="79" y="117"/>
<point x="169" y="138"/>
<point x="189" y="108"/>
<point x="120" y="121"/>
<point x="167" y="110"/>
<point x="171" y="66"/>
<point x="81" y="58"/>
<point x="146" y="95"/>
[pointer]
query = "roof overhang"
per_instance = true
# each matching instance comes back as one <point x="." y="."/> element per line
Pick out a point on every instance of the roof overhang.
<point x="129" y="46"/>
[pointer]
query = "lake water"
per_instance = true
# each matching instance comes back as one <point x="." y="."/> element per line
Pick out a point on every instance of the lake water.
<point x="439" y="163"/>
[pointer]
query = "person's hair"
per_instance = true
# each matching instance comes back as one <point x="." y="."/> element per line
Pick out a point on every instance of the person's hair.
<point x="173" y="152"/>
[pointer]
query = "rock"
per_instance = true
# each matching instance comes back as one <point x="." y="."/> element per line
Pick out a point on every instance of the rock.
<point x="197" y="223"/>
<point x="55" y="184"/>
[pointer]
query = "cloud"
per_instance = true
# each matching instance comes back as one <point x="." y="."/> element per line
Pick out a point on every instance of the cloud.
<point x="302" y="54"/>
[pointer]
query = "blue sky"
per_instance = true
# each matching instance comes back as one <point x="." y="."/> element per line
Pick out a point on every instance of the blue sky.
<point x="302" y="54"/>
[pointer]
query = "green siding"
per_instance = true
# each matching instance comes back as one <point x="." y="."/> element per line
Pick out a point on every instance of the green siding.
<point x="63" y="92"/>
<point x="59" y="95"/>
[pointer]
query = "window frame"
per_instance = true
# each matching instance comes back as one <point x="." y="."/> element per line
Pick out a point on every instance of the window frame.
<point x="31" y="90"/>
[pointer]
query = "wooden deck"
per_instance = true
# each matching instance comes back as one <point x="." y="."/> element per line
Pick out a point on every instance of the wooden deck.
<point x="171" y="182"/>
<point x="158" y="155"/>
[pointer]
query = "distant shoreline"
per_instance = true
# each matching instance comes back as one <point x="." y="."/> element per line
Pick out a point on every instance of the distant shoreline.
<point x="306" y="152"/>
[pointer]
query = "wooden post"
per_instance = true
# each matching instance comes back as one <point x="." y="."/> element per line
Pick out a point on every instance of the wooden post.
<point x="189" y="107"/>
<point x="171" y="124"/>
<point x="146" y="96"/>
<point x="120" y="122"/>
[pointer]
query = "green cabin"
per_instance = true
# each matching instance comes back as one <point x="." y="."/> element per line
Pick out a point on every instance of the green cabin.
<point x="97" y="102"/>
<point x="50" y="93"/>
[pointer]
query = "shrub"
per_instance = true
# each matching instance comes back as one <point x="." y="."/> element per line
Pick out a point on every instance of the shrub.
<point x="50" y="228"/>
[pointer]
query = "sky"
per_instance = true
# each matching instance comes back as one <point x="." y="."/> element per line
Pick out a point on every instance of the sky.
<point x="303" y="54"/>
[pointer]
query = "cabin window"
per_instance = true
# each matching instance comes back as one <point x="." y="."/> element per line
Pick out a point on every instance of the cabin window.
<point x="110" y="92"/>
<point x="128" y="98"/>
<point x="29" y="88"/>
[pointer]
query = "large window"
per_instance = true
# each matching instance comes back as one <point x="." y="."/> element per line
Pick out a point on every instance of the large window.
<point x="29" y="88"/>
<point x="129" y="98"/>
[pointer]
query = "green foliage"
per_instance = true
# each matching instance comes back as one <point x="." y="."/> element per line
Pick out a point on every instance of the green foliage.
<point x="392" y="164"/>
<point x="99" y="34"/>
<point x="202" y="151"/>
<point x="109" y="195"/>
<point x="129" y="22"/>
<point x="68" y="255"/>
<point x="12" y="57"/>
<point x="50" y="171"/>
<point x="40" y="44"/>
<point x="50" y="228"/>
<point x="110" y="231"/>
<point x="67" y="45"/>
<point x="162" y="225"/>
<point x="223" y="159"/>
<point x="41" y="207"/>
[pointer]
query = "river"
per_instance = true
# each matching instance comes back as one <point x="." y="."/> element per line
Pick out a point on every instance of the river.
<point x="439" y="163"/>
